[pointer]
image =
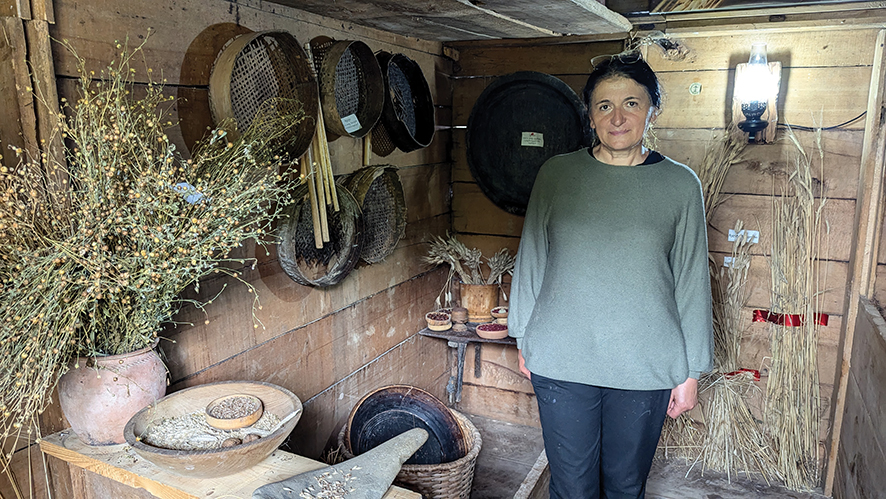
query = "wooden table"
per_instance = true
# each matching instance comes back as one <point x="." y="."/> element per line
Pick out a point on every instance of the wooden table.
<point x="121" y="463"/>
<point x="460" y="341"/>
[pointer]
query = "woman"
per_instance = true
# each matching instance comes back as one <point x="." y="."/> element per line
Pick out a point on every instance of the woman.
<point x="611" y="301"/>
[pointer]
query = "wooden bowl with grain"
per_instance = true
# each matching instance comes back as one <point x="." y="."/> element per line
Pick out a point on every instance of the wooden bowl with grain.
<point x="173" y="433"/>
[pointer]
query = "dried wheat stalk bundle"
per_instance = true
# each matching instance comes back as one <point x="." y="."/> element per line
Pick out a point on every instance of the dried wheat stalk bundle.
<point x="683" y="437"/>
<point x="735" y="442"/>
<point x="793" y="404"/>
<point x="467" y="264"/>
<point x="719" y="158"/>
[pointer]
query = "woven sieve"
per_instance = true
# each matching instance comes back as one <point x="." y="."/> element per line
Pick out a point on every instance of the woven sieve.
<point x="327" y="266"/>
<point x="382" y="144"/>
<point x="408" y="115"/>
<point x="380" y="194"/>
<point x="351" y="86"/>
<point x="256" y="68"/>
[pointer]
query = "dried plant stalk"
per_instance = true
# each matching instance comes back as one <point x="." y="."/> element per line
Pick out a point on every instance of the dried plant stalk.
<point x="466" y="263"/>
<point x="735" y="442"/>
<point x="683" y="437"/>
<point x="793" y="404"/>
<point x="719" y="157"/>
<point x="97" y="245"/>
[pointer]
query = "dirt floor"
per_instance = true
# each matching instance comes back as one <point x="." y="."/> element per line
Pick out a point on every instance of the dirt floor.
<point x="509" y="451"/>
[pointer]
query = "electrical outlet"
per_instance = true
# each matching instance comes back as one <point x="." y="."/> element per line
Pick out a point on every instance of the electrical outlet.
<point x="753" y="235"/>
<point x="727" y="261"/>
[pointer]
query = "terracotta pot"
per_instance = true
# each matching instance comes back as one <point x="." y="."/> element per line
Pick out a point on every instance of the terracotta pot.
<point x="100" y="396"/>
<point x="479" y="299"/>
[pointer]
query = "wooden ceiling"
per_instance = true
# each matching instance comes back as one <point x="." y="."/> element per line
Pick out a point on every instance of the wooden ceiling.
<point x="452" y="20"/>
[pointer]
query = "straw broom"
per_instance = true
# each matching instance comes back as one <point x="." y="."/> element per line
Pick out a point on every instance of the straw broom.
<point x="793" y="404"/>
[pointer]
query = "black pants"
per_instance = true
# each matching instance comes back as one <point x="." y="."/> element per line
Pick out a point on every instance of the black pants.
<point x="600" y="442"/>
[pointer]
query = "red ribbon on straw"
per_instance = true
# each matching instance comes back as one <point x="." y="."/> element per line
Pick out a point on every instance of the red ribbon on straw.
<point x="790" y="320"/>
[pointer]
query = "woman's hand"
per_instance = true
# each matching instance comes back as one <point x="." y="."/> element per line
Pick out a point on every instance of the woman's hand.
<point x="683" y="397"/>
<point x="523" y="365"/>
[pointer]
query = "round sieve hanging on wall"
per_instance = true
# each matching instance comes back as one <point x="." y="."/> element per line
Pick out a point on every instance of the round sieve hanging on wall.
<point x="265" y="72"/>
<point x="380" y="194"/>
<point x="408" y="116"/>
<point x="351" y="85"/>
<point x="302" y="261"/>
<point x="518" y="122"/>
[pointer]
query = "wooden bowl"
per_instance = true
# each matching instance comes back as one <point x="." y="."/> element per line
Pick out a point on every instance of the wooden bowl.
<point x="492" y="331"/>
<point x="239" y="420"/>
<point x="499" y="312"/>
<point x="218" y="462"/>
<point x="438" y="321"/>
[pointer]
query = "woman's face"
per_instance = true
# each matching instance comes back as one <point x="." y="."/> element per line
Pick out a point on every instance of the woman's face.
<point x="620" y="112"/>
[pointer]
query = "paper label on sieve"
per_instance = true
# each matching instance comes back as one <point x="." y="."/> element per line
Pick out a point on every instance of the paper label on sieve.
<point x="351" y="123"/>
<point x="532" y="139"/>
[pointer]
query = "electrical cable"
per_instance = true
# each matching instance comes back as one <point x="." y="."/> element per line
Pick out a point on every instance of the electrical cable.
<point x="812" y="129"/>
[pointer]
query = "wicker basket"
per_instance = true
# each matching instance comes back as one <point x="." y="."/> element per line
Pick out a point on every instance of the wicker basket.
<point x="438" y="481"/>
<point x="380" y="194"/>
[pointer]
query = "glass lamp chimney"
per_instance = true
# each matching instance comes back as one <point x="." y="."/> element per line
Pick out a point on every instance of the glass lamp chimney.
<point x="754" y="89"/>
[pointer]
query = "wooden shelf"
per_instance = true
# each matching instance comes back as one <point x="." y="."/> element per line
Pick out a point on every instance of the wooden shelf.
<point x="122" y="464"/>
<point x="469" y="336"/>
<point x="459" y="341"/>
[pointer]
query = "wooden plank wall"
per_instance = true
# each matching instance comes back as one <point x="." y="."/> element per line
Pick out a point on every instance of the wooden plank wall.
<point x="829" y="61"/>
<point x="862" y="449"/>
<point x="329" y="346"/>
<point x="501" y="391"/>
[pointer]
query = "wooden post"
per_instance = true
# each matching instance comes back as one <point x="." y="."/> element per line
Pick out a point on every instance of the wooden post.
<point x="863" y="260"/>
<point x="19" y="124"/>
<point x="15" y="8"/>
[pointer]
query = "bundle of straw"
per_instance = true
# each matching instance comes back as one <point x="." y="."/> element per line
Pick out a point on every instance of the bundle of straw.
<point x="735" y="442"/>
<point x="683" y="437"/>
<point x="793" y="404"/>
<point x="719" y="158"/>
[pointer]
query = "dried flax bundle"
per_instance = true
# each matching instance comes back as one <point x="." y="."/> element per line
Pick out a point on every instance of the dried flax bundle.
<point x="793" y="404"/>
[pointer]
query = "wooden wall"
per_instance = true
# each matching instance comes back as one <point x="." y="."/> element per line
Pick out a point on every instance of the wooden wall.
<point x="859" y="472"/>
<point x="501" y="391"/>
<point x="329" y="346"/>
<point x="825" y="81"/>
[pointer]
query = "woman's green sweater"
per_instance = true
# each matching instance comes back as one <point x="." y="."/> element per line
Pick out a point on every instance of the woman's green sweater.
<point x="611" y="286"/>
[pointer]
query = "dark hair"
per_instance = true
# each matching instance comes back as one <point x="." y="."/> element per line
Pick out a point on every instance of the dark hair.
<point x="626" y="65"/>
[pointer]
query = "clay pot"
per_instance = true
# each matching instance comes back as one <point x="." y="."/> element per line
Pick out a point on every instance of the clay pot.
<point x="479" y="299"/>
<point x="100" y="396"/>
